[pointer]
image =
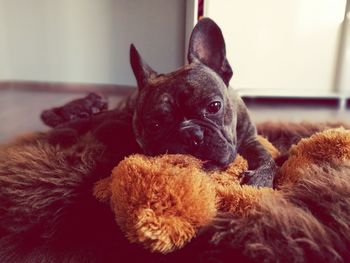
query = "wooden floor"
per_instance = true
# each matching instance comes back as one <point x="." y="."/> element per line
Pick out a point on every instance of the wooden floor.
<point x="20" y="111"/>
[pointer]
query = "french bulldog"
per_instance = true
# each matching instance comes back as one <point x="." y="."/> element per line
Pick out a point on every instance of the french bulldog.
<point x="192" y="110"/>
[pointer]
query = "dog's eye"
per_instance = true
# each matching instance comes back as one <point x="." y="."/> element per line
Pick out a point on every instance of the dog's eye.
<point x="214" y="107"/>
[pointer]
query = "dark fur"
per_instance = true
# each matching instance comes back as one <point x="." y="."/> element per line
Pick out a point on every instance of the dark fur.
<point x="48" y="213"/>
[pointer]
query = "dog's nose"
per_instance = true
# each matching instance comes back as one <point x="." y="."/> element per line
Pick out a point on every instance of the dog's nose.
<point x="197" y="136"/>
<point x="193" y="135"/>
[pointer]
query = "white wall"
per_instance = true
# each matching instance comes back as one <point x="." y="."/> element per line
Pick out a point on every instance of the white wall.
<point x="281" y="45"/>
<point x="88" y="40"/>
<point x="344" y="81"/>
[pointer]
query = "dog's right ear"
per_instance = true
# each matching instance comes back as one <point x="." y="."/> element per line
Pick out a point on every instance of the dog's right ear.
<point x="207" y="45"/>
<point x="142" y="71"/>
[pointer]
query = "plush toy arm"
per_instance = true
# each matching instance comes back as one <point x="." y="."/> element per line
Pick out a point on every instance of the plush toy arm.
<point x="102" y="190"/>
<point x="328" y="147"/>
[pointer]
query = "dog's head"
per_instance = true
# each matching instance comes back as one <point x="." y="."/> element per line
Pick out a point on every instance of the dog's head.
<point x="189" y="110"/>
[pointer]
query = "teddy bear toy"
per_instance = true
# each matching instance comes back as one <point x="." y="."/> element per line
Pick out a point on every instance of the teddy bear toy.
<point x="162" y="202"/>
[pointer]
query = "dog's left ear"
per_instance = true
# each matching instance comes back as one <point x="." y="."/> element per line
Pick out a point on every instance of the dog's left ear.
<point x="142" y="71"/>
<point x="207" y="44"/>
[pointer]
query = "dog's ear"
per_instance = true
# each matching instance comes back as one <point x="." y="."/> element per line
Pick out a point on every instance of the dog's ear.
<point x="207" y="44"/>
<point x="142" y="71"/>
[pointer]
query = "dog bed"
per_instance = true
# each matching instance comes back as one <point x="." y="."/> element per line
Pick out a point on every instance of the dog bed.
<point x="48" y="212"/>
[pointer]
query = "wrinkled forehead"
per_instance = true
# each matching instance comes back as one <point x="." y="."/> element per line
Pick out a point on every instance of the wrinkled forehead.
<point x="191" y="80"/>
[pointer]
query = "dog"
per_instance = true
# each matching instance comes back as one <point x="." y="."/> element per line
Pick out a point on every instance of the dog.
<point x="192" y="110"/>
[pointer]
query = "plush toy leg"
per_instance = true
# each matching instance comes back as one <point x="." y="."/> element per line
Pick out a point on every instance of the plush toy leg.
<point x="161" y="233"/>
<point x="241" y="199"/>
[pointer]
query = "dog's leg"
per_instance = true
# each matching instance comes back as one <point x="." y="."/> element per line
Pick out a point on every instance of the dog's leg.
<point x="262" y="167"/>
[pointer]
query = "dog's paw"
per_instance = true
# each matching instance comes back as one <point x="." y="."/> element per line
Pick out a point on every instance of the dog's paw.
<point x="51" y="118"/>
<point x="261" y="177"/>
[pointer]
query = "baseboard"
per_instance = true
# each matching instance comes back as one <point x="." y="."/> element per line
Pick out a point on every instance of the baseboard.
<point x="123" y="90"/>
<point x="280" y="101"/>
<point x="67" y="87"/>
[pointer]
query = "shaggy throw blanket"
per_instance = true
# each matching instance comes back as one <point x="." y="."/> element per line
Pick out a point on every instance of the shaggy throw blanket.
<point x="48" y="213"/>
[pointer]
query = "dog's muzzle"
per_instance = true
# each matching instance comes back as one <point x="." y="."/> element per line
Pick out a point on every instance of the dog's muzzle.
<point x="192" y="134"/>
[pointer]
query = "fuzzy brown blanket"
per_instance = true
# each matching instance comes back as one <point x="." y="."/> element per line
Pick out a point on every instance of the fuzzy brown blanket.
<point x="48" y="213"/>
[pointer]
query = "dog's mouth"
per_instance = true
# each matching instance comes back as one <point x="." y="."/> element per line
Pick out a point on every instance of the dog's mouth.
<point x="212" y="165"/>
<point x="216" y="151"/>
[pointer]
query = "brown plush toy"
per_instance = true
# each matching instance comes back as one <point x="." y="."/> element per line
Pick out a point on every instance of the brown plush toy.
<point x="162" y="202"/>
